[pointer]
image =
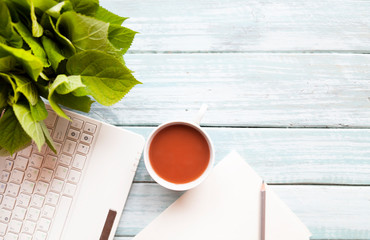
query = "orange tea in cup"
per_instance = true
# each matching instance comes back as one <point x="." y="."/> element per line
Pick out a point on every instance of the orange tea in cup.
<point x="179" y="153"/>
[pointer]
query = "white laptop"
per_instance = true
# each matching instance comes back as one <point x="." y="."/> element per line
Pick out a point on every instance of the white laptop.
<point x="78" y="193"/>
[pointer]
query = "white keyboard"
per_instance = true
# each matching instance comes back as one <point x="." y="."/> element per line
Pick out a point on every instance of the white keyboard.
<point x="37" y="189"/>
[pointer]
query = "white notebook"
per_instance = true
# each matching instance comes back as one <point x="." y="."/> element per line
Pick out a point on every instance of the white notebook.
<point x="226" y="206"/>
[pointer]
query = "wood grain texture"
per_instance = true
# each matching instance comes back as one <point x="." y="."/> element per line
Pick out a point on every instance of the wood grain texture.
<point x="334" y="212"/>
<point x="324" y="156"/>
<point x="253" y="25"/>
<point x="279" y="90"/>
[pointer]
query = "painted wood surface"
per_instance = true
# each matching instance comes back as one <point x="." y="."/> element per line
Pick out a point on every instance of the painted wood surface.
<point x="343" y="210"/>
<point x="274" y="90"/>
<point x="240" y="25"/>
<point x="262" y="66"/>
<point x="318" y="156"/>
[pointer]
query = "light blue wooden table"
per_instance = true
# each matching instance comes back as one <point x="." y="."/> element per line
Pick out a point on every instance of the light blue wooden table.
<point x="288" y="87"/>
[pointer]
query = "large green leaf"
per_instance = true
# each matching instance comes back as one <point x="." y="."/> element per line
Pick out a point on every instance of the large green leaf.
<point x="70" y="84"/>
<point x="105" y="77"/>
<point x="53" y="97"/>
<point x="53" y="52"/>
<point x="75" y="102"/>
<point x="68" y="47"/>
<point x="7" y="64"/>
<point x="5" y="78"/>
<point x="109" y="17"/>
<point x="86" y="33"/>
<point x="48" y="138"/>
<point x="26" y="87"/>
<point x="31" y="64"/>
<point x="44" y="5"/>
<point x="6" y="28"/>
<point x="32" y="42"/>
<point x="12" y="135"/>
<point x="56" y="10"/>
<point x="4" y="91"/>
<point x="29" y="124"/>
<point x="121" y="37"/>
<point x="39" y="5"/>
<point x="4" y="152"/>
<point x="38" y="111"/>
<point x="61" y="91"/>
<point x="37" y="29"/>
<point x="87" y="7"/>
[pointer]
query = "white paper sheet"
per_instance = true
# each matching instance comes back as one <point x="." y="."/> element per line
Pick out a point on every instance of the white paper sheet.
<point x="226" y="206"/>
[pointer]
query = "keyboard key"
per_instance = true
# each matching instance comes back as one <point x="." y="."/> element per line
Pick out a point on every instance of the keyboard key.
<point x="82" y="148"/>
<point x="65" y="159"/>
<point x="60" y="129"/>
<point x="61" y="172"/>
<point x="28" y="187"/>
<point x="11" y="236"/>
<point x="69" y="147"/>
<point x="86" y="138"/>
<point x="56" y="185"/>
<point x="37" y="200"/>
<point x="44" y="224"/>
<point x="15" y="226"/>
<point x="79" y="161"/>
<point x="44" y="148"/>
<point x="70" y="189"/>
<point x="74" y="176"/>
<point x="17" y="176"/>
<point x="8" y="165"/>
<point x="2" y="187"/>
<point x="3" y="228"/>
<point x="60" y="217"/>
<point x="50" y="161"/>
<point x="77" y="123"/>
<point x="5" y="215"/>
<point x="73" y="134"/>
<point x="48" y="211"/>
<point x="46" y="174"/>
<point x="33" y="214"/>
<point x="23" y="200"/>
<point x="29" y="227"/>
<point x="20" y="163"/>
<point x="36" y="160"/>
<point x="32" y="174"/>
<point x="5" y="176"/>
<point x="40" y="236"/>
<point x="58" y="147"/>
<point x="25" y="236"/>
<point x="12" y="189"/>
<point x="50" y="120"/>
<point x="26" y="152"/>
<point x="52" y="198"/>
<point x="41" y="187"/>
<point x="19" y="213"/>
<point x="8" y="202"/>
<point x="90" y="128"/>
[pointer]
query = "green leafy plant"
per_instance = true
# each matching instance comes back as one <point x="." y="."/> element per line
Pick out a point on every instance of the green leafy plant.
<point x="68" y="52"/>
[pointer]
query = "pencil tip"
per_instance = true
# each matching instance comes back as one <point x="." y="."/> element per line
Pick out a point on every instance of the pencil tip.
<point x="263" y="187"/>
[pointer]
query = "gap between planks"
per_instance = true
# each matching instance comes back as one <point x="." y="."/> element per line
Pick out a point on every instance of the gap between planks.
<point x="253" y="52"/>
<point x="294" y="184"/>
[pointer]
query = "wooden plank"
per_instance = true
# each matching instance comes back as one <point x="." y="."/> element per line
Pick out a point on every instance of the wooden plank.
<point x="246" y="25"/>
<point x="323" y="156"/>
<point x="330" y="212"/>
<point x="280" y="90"/>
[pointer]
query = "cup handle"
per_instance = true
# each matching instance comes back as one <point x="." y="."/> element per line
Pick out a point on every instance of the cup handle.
<point x="200" y="113"/>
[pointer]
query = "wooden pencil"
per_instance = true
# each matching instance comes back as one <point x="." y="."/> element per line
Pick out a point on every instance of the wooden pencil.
<point x="263" y="210"/>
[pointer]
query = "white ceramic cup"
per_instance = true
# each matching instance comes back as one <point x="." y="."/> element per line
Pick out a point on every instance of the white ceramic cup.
<point x="194" y="125"/>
